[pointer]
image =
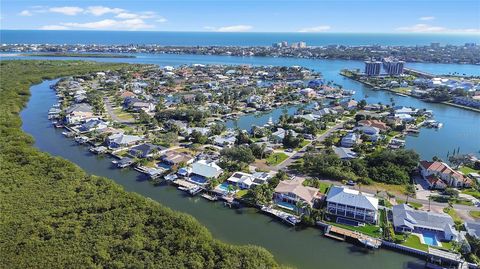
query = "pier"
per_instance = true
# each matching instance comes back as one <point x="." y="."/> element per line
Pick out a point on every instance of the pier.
<point x="287" y="217"/>
<point x="342" y="234"/>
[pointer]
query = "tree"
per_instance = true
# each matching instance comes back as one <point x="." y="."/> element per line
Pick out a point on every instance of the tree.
<point x="262" y="194"/>
<point x="410" y="191"/>
<point x="198" y="137"/>
<point x="362" y="104"/>
<point x="238" y="154"/>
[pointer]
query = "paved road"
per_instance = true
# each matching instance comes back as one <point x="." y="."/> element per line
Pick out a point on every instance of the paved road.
<point x="301" y="152"/>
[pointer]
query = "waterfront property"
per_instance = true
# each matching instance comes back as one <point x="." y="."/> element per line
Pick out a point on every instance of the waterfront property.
<point x="246" y="181"/>
<point x="204" y="170"/>
<point x="345" y="203"/>
<point x="433" y="227"/>
<point x="289" y="193"/>
<point x="122" y="140"/>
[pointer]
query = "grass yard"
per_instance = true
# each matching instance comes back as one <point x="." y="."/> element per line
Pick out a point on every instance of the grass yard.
<point x="474" y="214"/>
<point x="371" y="230"/>
<point x="324" y="187"/>
<point x="303" y="144"/>
<point x="472" y="192"/>
<point x="412" y="204"/>
<point x="395" y="189"/>
<point x="122" y="114"/>
<point x="414" y="242"/>
<point x="467" y="170"/>
<point x="450" y="211"/>
<point x="276" y="158"/>
<point x="241" y="193"/>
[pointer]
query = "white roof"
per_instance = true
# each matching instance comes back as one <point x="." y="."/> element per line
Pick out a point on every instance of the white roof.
<point x="206" y="169"/>
<point x="346" y="196"/>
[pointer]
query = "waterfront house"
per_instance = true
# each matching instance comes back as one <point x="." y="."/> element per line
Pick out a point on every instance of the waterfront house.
<point x="145" y="150"/>
<point x="345" y="203"/>
<point x="473" y="229"/>
<point x="122" y="140"/>
<point x="241" y="180"/>
<point x="444" y="172"/>
<point x="92" y="125"/>
<point x="350" y="104"/>
<point x="344" y="153"/>
<point x="289" y="192"/>
<point x="405" y="110"/>
<point x="78" y="113"/>
<point x="204" y="170"/>
<point x="349" y="140"/>
<point x="407" y="219"/>
<point x="176" y="158"/>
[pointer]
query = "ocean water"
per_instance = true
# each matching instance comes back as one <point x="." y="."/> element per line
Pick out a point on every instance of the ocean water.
<point x="227" y="39"/>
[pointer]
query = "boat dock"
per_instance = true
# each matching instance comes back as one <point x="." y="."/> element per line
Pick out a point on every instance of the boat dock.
<point x="209" y="197"/>
<point x="342" y="234"/>
<point x="287" y="217"/>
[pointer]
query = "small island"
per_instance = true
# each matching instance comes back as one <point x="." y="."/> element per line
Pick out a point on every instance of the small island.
<point x="80" y="55"/>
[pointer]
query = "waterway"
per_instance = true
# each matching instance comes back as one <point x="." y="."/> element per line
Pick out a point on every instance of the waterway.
<point x="461" y="127"/>
<point x="305" y="248"/>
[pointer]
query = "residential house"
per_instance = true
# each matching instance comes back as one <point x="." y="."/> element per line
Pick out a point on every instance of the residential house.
<point x="383" y="127"/>
<point x="79" y="113"/>
<point x="225" y="141"/>
<point x="122" y="140"/>
<point x="92" y="125"/>
<point x="241" y="180"/>
<point x="176" y="158"/>
<point x="146" y="150"/>
<point x="444" y="172"/>
<point x="350" y="104"/>
<point x="293" y="191"/>
<point x="203" y="170"/>
<point x="407" y="219"/>
<point x="473" y="229"/>
<point x="373" y="133"/>
<point x="343" y="202"/>
<point x="349" y="140"/>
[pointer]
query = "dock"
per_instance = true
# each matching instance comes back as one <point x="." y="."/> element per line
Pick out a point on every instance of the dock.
<point x="287" y="217"/>
<point x="342" y="234"/>
<point x="209" y="197"/>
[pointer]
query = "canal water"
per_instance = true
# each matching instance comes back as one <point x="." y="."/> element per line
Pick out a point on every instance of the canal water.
<point x="461" y="128"/>
<point x="305" y="248"/>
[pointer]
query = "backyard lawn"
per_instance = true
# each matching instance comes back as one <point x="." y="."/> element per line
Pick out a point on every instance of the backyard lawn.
<point x="276" y="158"/>
<point x="414" y="242"/>
<point x="371" y="230"/>
<point x="303" y="144"/>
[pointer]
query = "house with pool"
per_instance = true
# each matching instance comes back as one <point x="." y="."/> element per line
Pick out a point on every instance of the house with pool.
<point x="429" y="226"/>
<point x="351" y="207"/>
<point x="203" y="170"/>
<point x="289" y="193"/>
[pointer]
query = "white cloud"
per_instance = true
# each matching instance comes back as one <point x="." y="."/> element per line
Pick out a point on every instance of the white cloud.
<point x="25" y="13"/>
<point x="110" y="24"/>
<point x="427" y="18"/>
<point x="426" y="28"/>
<point x="234" y="28"/>
<point x="70" y="11"/>
<point x="315" y="29"/>
<point x="53" y="27"/>
<point x="101" y="10"/>
<point x="126" y="15"/>
<point x="161" y="19"/>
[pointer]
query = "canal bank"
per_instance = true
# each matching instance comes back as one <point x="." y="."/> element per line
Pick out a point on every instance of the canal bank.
<point x="305" y="248"/>
<point x="461" y="127"/>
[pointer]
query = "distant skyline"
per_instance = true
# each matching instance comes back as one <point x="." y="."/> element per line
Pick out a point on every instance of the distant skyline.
<point x="360" y="16"/>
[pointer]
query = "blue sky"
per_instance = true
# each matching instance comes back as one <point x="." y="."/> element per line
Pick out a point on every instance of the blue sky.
<point x="375" y="16"/>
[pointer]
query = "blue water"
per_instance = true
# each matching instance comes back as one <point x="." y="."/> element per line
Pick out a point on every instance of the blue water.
<point x="227" y="39"/>
<point x="430" y="238"/>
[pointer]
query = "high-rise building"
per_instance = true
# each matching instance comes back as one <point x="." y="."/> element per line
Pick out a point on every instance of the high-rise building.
<point x="435" y="45"/>
<point x="372" y="68"/>
<point x="393" y="67"/>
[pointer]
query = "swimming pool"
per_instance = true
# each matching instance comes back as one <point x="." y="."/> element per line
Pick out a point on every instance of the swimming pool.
<point x="285" y="205"/>
<point x="223" y="187"/>
<point x="198" y="180"/>
<point x="430" y="238"/>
